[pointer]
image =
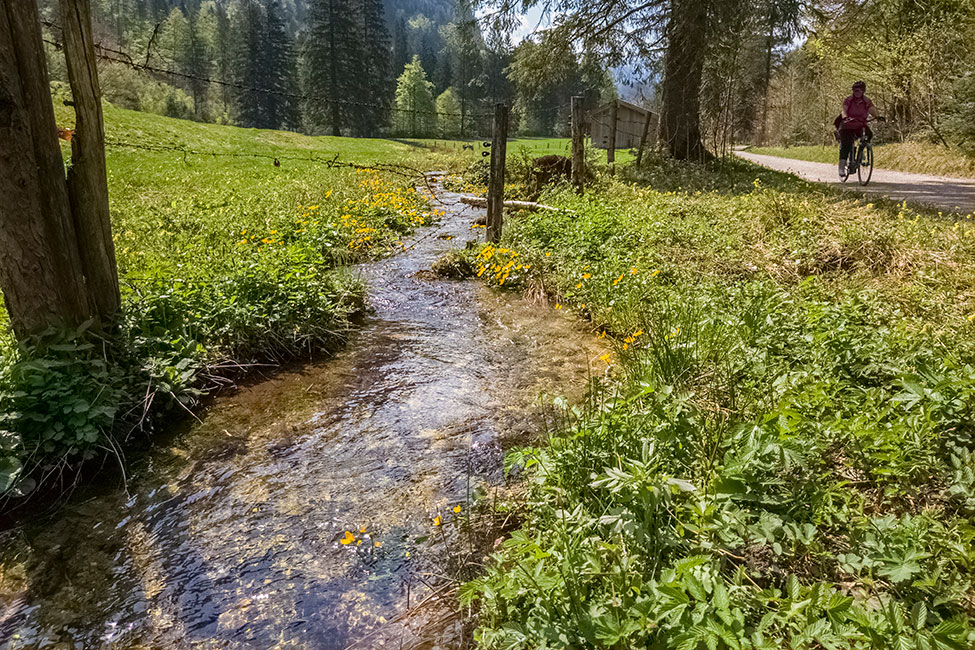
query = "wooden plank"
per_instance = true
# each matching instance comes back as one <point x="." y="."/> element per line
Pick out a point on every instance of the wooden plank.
<point x="495" y="200"/>
<point x="87" y="177"/>
<point x="578" y="151"/>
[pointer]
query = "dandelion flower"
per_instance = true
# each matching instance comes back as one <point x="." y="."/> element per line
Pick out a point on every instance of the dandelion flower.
<point x="347" y="539"/>
<point x="457" y="509"/>
<point x="605" y="357"/>
<point x="437" y="521"/>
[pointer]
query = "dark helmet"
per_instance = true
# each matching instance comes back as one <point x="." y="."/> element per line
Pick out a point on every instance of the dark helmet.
<point x="859" y="84"/>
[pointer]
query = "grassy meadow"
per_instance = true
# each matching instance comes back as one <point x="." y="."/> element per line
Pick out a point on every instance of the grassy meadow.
<point x="225" y="260"/>
<point x="916" y="157"/>
<point x="779" y="453"/>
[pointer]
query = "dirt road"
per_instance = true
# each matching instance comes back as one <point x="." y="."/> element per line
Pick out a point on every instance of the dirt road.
<point x="944" y="193"/>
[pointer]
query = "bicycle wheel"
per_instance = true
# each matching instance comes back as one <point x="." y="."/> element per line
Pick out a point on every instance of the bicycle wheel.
<point x="865" y="168"/>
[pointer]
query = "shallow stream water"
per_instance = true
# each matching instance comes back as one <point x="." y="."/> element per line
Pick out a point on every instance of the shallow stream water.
<point x="229" y="535"/>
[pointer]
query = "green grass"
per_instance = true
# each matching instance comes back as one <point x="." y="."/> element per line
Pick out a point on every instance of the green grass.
<point x="916" y="157"/>
<point x="224" y="259"/>
<point x="780" y="450"/>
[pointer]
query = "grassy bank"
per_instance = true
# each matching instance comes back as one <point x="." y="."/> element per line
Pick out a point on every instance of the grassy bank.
<point x="781" y="451"/>
<point x="916" y="157"/>
<point x="231" y="245"/>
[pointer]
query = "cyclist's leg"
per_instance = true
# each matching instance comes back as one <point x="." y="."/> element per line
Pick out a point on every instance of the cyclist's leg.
<point x="847" y="136"/>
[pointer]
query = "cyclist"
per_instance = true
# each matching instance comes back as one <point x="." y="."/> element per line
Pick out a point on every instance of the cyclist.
<point x="853" y="120"/>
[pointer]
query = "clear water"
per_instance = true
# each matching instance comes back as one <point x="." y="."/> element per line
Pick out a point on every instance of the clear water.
<point x="229" y="535"/>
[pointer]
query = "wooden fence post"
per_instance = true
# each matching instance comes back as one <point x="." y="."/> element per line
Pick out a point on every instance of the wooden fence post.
<point x="578" y="153"/>
<point x="40" y="270"/>
<point x="643" y="138"/>
<point x="495" y="198"/>
<point x="611" y="151"/>
<point x="87" y="176"/>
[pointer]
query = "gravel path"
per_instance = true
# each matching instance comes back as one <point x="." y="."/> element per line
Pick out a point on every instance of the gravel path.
<point x="942" y="192"/>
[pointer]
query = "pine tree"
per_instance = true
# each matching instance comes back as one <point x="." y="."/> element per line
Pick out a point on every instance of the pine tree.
<point x="279" y="72"/>
<point x="414" y="101"/>
<point x="223" y="49"/>
<point x="400" y="47"/>
<point x="250" y="67"/>
<point x="332" y="57"/>
<point x="195" y="62"/>
<point x="465" y="47"/>
<point x="375" y="77"/>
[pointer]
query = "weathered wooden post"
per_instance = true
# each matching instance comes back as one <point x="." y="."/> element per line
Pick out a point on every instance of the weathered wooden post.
<point x="578" y="153"/>
<point x="87" y="176"/>
<point x="495" y="197"/>
<point x="643" y="138"/>
<point x="40" y="271"/>
<point x="611" y="151"/>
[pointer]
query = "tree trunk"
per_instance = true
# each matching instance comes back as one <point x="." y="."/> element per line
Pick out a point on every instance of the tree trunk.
<point x="40" y="269"/>
<point x="683" y="68"/>
<point x="766" y="85"/>
<point x="87" y="176"/>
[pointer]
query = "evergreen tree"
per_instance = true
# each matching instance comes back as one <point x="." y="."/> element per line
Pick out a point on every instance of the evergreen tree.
<point x="223" y="49"/>
<point x="414" y="101"/>
<point x="250" y="29"/>
<point x="465" y="47"/>
<point x="375" y="78"/>
<point x="400" y="47"/>
<point x="195" y="62"/>
<point x="332" y="57"/>
<point x="279" y="73"/>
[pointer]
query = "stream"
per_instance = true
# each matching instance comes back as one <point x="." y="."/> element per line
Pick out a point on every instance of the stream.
<point x="293" y="515"/>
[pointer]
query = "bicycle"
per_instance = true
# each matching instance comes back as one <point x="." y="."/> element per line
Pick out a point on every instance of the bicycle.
<point x="860" y="158"/>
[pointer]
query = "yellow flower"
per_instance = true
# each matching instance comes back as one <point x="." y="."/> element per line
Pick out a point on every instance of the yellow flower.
<point x="457" y="509"/>
<point x="586" y="276"/>
<point x="378" y="544"/>
<point x="437" y="521"/>
<point x="605" y="357"/>
<point x="548" y="254"/>
<point x="579" y="286"/>
<point x="618" y="280"/>
<point x="633" y="270"/>
<point x="347" y="539"/>
<point x="558" y="306"/>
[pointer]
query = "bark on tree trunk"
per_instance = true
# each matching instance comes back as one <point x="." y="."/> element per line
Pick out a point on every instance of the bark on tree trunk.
<point x="40" y="269"/>
<point x="87" y="177"/>
<point x="683" y="68"/>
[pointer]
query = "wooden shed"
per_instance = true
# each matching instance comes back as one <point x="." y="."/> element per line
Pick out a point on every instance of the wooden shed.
<point x="630" y="121"/>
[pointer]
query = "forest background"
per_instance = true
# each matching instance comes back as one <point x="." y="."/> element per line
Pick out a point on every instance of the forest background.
<point x="772" y="72"/>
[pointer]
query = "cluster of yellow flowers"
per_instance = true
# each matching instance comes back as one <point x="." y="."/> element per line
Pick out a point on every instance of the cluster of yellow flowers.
<point x="459" y="184"/>
<point x="359" y="220"/>
<point x="500" y="262"/>
<point x="272" y="237"/>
